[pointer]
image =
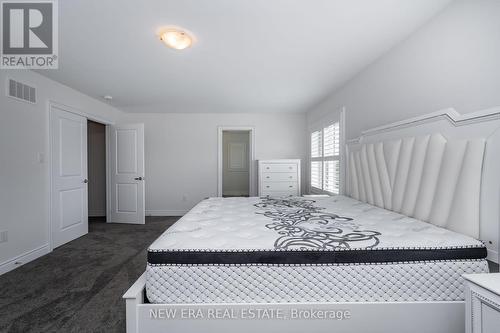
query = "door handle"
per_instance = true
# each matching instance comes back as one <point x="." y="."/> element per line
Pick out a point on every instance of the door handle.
<point x="139" y="178"/>
<point x="85" y="181"/>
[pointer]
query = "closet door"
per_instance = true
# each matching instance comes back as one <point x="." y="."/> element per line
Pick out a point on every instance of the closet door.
<point x="69" y="211"/>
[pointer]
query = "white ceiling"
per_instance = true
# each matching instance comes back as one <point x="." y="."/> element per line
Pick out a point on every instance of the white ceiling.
<point x="250" y="56"/>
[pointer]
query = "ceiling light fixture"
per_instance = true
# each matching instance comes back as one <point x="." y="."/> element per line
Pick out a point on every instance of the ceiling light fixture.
<point x="108" y="97"/>
<point x="176" y="38"/>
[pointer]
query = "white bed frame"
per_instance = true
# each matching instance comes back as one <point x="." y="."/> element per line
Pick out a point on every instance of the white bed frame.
<point x="438" y="317"/>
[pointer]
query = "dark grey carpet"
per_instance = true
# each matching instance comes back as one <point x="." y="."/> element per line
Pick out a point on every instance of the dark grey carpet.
<point x="78" y="287"/>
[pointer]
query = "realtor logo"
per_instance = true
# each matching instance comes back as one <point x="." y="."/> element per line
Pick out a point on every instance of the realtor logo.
<point x="29" y="34"/>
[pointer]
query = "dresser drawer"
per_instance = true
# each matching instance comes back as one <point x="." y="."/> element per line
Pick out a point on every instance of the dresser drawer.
<point x="279" y="167"/>
<point x="279" y="176"/>
<point x="276" y="194"/>
<point x="279" y="186"/>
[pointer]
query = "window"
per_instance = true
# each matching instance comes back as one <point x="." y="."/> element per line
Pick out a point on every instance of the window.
<point x="325" y="159"/>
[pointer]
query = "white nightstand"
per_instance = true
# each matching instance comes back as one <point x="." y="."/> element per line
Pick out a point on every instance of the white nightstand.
<point x="482" y="303"/>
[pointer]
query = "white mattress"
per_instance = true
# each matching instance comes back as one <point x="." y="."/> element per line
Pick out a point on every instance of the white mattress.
<point x="239" y="250"/>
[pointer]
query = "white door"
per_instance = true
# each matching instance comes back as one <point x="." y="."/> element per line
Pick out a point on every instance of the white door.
<point x="126" y="162"/>
<point x="69" y="212"/>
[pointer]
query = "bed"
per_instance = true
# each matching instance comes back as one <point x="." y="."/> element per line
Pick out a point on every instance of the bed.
<point x="283" y="250"/>
<point x="420" y="210"/>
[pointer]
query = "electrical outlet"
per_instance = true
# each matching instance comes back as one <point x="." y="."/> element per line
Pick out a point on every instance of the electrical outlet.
<point x="4" y="236"/>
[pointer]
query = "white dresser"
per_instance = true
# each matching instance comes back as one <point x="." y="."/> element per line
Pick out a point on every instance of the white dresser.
<point x="482" y="303"/>
<point x="279" y="177"/>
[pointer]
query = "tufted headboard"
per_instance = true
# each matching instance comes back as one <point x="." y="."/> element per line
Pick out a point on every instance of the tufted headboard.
<point x="442" y="168"/>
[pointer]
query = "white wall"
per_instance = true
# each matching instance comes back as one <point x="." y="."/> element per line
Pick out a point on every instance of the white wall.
<point x="181" y="152"/>
<point x="96" y="151"/>
<point x="453" y="61"/>
<point x="235" y="182"/>
<point x="24" y="181"/>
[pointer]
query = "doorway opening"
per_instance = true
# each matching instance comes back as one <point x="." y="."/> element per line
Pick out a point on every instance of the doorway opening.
<point x="95" y="170"/>
<point x="236" y="163"/>
<point x="96" y="161"/>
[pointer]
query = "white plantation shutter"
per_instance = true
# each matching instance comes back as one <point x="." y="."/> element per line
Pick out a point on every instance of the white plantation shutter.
<point x="316" y="143"/>
<point x="331" y="140"/>
<point x="331" y="182"/>
<point x="325" y="159"/>
<point x="316" y="174"/>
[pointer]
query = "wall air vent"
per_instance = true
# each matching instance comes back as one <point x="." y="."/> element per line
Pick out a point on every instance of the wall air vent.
<point x="21" y="91"/>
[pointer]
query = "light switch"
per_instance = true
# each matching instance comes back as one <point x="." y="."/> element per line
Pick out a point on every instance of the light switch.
<point x="41" y="158"/>
<point x="4" y="236"/>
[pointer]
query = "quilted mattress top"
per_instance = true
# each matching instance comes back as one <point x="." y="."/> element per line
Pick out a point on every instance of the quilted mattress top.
<point x="302" y="230"/>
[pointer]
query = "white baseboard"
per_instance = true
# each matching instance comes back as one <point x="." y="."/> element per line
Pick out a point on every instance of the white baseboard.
<point x="492" y="256"/>
<point x="168" y="212"/>
<point x="22" y="259"/>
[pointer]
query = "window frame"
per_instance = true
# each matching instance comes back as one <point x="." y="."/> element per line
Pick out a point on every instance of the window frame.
<point x="340" y="157"/>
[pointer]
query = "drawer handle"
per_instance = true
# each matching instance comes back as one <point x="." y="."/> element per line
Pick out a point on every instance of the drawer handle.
<point x="267" y="177"/>
<point x="267" y="168"/>
<point x="290" y="168"/>
<point x="290" y="186"/>
<point x="267" y="186"/>
<point x="290" y="177"/>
